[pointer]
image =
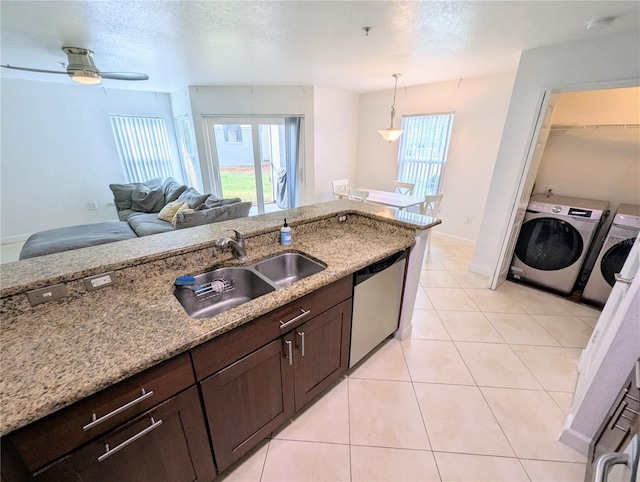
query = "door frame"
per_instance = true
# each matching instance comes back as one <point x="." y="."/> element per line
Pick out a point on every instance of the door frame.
<point x="529" y="171"/>
<point x="213" y="167"/>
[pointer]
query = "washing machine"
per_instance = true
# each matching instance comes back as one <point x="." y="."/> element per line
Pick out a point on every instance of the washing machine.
<point x="615" y="249"/>
<point x="554" y="240"/>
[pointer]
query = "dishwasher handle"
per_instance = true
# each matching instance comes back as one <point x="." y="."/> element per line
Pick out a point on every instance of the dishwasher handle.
<point x="377" y="267"/>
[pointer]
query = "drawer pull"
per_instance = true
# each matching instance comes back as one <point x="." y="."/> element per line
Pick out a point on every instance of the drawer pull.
<point x="109" y="452"/>
<point x="303" y="313"/>
<point x="97" y="421"/>
<point x="616" y="416"/>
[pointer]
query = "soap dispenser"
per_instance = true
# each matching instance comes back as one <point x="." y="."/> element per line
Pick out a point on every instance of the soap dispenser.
<point x="285" y="234"/>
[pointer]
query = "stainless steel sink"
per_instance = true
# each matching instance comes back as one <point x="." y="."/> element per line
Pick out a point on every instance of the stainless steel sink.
<point x="284" y="269"/>
<point x="220" y="290"/>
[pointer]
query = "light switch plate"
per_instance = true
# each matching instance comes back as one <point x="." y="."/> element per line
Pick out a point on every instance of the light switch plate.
<point x="50" y="293"/>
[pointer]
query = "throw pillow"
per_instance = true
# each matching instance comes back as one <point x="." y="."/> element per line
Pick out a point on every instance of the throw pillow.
<point x="172" y="189"/>
<point x="147" y="200"/>
<point x="191" y="218"/>
<point x="182" y="209"/>
<point x="169" y="211"/>
<point x="122" y="192"/>
<point x="193" y="198"/>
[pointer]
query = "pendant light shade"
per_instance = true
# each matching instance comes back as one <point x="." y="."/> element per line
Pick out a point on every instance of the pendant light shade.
<point x="391" y="134"/>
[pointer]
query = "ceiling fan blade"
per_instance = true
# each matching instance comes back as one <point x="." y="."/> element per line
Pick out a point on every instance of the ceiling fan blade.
<point x="33" y="70"/>
<point x="123" y="76"/>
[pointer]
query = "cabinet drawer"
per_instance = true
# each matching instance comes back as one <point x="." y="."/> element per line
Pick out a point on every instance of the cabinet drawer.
<point x="214" y="355"/>
<point x="167" y="443"/>
<point x="57" y="434"/>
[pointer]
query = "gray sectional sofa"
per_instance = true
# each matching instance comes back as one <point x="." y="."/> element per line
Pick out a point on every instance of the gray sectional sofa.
<point x="143" y="209"/>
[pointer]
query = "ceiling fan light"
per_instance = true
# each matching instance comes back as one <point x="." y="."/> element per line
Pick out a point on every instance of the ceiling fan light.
<point x="390" y="134"/>
<point x="86" y="78"/>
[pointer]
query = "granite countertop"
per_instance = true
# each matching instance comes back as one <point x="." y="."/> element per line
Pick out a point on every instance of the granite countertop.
<point x="57" y="353"/>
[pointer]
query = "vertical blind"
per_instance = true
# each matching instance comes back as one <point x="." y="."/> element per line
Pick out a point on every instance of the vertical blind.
<point x="423" y="151"/>
<point x="143" y="147"/>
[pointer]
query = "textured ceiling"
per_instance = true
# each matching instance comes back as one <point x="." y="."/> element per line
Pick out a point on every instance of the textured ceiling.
<point x="180" y="43"/>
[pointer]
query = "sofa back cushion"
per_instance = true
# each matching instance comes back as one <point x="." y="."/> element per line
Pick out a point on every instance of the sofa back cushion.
<point x="193" y="198"/>
<point x="212" y="215"/>
<point x="147" y="200"/>
<point x="172" y="189"/>
<point x="122" y="193"/>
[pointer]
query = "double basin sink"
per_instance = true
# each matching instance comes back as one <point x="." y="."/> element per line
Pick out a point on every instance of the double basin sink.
<point x="221" y="289"/>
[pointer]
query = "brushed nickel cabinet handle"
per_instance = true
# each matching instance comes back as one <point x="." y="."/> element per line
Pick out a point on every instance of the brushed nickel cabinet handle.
<point x="303" y="313"/>
<point x="617" y="415"/>
<point x="110" y="451"/>
<point x="301" y="335"/>
<point x="604" y="463"/>
<point x="97" y="421"/>
<point x="289" y="355"/>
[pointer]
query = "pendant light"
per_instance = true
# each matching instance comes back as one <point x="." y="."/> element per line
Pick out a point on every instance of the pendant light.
<point x="391" y="134"/>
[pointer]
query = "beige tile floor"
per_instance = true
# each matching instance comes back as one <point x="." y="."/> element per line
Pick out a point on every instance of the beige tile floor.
<point x="478" y="393"/>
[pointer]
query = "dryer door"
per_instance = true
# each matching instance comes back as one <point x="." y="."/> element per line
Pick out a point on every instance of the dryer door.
<point x="549" y="244"/>
<point x="614" y="259"/>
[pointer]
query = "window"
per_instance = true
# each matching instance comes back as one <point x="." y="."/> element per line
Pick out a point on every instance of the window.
<point x="143" y="146"/>
<point x="423" y="151"/>
<point x="188" y="150"/>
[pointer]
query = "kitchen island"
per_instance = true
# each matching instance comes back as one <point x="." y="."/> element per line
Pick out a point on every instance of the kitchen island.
<point x="58" y="353"/>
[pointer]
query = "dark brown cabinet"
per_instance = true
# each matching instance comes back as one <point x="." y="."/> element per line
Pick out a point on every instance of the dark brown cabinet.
<point x="296" y="361"/>
<point x="246" y="401"/>
<point x="168" y="442"/>
<point x="150" y="426"/>
<point x="620" y="425"/>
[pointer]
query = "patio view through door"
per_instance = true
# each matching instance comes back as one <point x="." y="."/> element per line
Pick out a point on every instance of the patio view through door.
<point x="247" y="159"/>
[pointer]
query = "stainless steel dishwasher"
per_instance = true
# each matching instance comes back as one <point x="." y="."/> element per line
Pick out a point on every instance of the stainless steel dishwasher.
<point x="377" y="296"/>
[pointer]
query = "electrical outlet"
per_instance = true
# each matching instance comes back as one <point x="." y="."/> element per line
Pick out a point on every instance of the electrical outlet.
<point x="99" y="281"/>
<point x="342" y="219"/>
<point x="468" y="220"/>
<point x="50" y="293"/>
<point x="93" y="206"/>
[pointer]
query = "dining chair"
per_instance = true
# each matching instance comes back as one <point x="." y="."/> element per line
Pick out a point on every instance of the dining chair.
<point x="430" y="208"/>
<point x="405" y="188"/>
<point x="341" y="188"/>
<point x="356" y="195"/>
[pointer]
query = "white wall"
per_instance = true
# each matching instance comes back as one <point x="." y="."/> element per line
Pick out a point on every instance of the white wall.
<point x="58" y="152"/>
<point x="480" y="106"/>
<point x="256" y="100"/>
<point x="592" y="63"/>
<point x="335" y="138"/>
<point x="594" y="107"/>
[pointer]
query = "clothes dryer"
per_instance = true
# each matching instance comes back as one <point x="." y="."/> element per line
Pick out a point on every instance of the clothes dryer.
<point x="554" y="240"/>
<point x="615" y="249"/>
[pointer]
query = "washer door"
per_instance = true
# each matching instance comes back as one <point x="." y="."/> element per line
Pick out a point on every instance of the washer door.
<point x="548" y="244"/>
<point x="614" y="259"/>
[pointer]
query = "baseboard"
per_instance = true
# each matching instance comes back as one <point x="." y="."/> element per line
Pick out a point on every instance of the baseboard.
<point x="438" y="235"/>
<point x="474" y="268"/>
<point x="575" y="440"/>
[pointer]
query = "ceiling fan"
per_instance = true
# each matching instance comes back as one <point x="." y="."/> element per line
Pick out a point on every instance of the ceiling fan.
<point x="82" y="69"/>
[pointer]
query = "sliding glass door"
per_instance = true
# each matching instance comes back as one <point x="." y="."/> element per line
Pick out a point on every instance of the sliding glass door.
<point x="248" y="159"/>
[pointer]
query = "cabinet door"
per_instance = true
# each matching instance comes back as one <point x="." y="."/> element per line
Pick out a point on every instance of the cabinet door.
<point x="247" y="400"/>
<point x="321" y="354"/>
<point x="169" y="442"/>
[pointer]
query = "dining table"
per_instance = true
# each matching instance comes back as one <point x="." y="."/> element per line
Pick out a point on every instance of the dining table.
<point x="388" y="198"/>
